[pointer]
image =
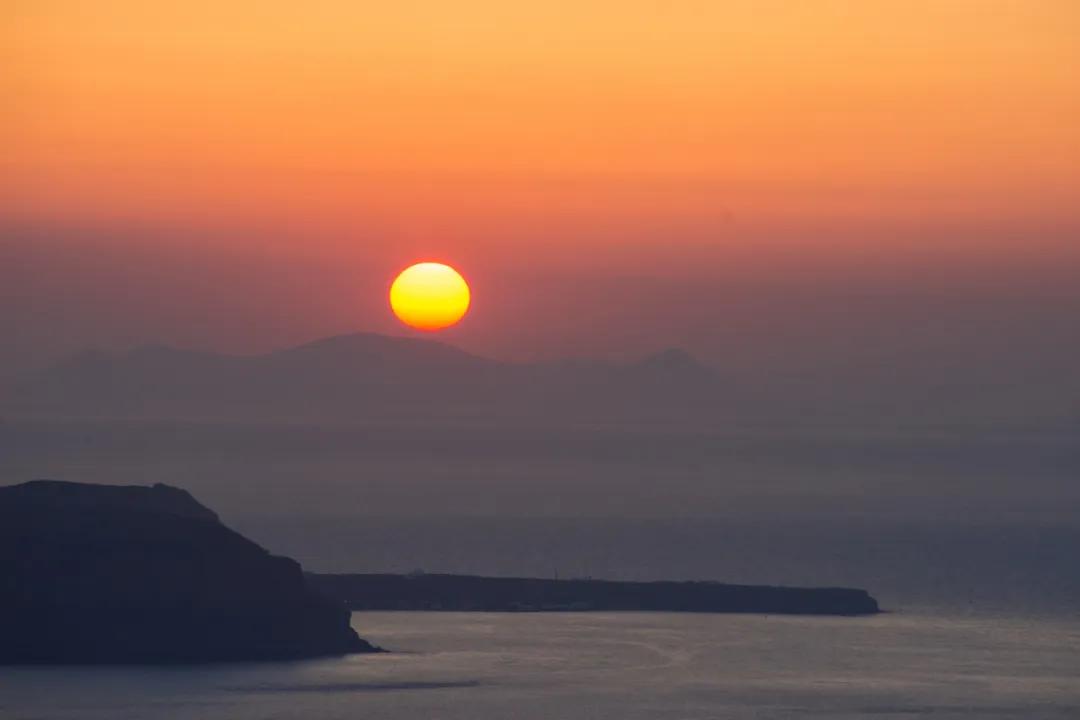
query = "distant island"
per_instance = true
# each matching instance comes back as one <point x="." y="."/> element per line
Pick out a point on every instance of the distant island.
<point x="362" y="377"/>
<point x="494" y="594"/>
<point x="131" y="574"/>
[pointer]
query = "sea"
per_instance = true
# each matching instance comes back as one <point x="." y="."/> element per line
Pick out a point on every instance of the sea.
<point x="624" y="666"/>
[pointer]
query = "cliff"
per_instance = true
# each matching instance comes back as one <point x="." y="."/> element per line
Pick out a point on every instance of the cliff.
<point x="465" y="593"/>
<point x="108" y="574"/>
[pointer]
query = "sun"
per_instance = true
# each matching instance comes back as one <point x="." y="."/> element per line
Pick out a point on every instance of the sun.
<point x="429" y="296"/>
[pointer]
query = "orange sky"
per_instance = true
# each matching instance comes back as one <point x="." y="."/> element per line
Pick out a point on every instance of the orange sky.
<point x="571" y="136"/>
<point x="425" y="115"/>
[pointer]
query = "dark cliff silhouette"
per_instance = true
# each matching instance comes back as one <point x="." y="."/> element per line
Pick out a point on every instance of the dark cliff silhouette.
<point x="468" y="593"/>
<point x="110" y="574"/>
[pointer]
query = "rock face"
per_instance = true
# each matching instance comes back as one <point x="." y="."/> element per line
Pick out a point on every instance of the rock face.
<point x="110" y="574"/>
<point x="470" y="593"/>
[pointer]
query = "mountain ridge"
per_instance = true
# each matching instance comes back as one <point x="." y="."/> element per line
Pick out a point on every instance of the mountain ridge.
<point x="356" y="376"/>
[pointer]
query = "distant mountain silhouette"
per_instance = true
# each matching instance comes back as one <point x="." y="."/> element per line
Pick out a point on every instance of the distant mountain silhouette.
<point x="357" y="377"/>
<point x="105" y="574"/>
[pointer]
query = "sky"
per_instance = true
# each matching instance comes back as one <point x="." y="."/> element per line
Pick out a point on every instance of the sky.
<point x="888" y="188"/>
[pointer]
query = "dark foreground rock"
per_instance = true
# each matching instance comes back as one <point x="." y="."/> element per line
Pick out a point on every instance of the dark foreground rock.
<point x="108" y="574"/>
<point x="468" y="593"/>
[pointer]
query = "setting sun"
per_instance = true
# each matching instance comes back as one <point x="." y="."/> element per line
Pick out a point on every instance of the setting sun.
<point x="429" y="296"/>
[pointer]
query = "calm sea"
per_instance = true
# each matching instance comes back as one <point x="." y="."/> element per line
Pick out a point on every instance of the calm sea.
<point x="603" y="665"/>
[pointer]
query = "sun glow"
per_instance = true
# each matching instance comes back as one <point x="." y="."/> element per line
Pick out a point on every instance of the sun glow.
<point x="429" y="296"/>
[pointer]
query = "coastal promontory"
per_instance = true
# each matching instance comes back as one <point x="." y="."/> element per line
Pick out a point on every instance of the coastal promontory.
<point x="134" y="574"/>
<point x="464" y="593"/>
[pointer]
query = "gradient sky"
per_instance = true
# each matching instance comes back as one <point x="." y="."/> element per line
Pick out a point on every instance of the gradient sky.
<point x="792" y="185"/>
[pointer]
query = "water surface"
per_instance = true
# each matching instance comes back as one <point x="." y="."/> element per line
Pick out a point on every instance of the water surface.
<point x="607" y="665"/>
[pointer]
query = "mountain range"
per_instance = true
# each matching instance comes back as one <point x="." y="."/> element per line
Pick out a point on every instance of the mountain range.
<point x="361" y="377"/>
